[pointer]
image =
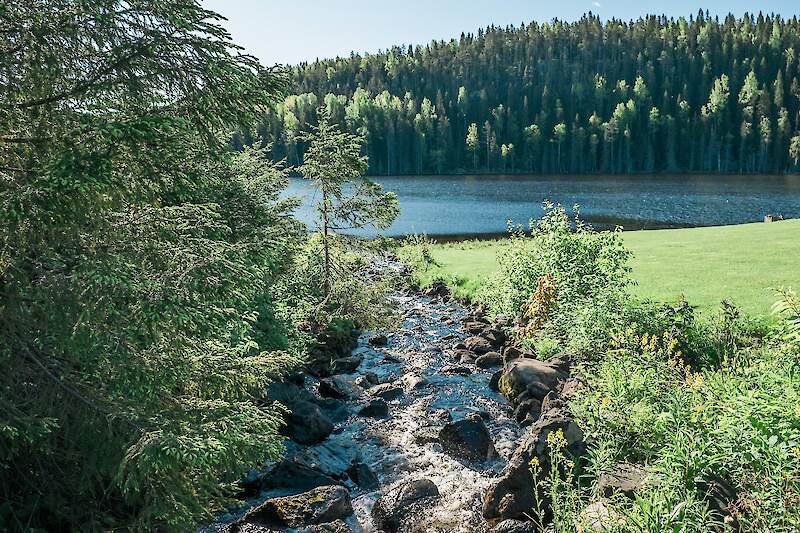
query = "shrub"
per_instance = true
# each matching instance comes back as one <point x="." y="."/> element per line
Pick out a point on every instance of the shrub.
<point x="562" y="275"/>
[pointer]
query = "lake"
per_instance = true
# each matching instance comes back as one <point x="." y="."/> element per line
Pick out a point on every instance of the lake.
<point x="482" y="205"/>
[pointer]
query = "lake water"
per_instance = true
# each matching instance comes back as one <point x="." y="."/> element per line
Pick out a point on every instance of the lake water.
<point x="482" y="205"/>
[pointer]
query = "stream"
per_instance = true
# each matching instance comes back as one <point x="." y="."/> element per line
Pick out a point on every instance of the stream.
<point x="402" y="446"/>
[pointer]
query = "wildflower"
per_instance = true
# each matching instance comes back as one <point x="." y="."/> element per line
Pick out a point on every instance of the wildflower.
<point x="556" y="440"/>
<point x="605" y="401"/>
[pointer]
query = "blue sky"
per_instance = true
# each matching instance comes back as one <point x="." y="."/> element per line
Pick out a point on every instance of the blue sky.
<point x="301" y="30"/>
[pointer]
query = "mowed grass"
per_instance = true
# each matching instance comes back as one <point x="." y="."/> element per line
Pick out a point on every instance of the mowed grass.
<point x="743" y="264"/>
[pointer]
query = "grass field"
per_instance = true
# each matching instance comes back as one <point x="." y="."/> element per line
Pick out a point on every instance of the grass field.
<point x="739" y="263"/>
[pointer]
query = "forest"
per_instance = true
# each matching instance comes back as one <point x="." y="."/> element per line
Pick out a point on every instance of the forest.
<point x="695" y="94"/>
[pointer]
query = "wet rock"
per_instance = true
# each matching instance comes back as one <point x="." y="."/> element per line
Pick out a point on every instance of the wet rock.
<point x="346" y="365"/>
<point x="460" y="370"/>
<point x="489" y="360"/>
<point x="479" y="345"/>
<point x="623" y="478"/>
<point x="293" y="477"/>
<point x="496" y="337"/>
<point x="529" y="408"/>
<point x="387" y="391"/>
<point x="459" y="346"/>
<point x="376" y="408"/>
<point x="403" y="503"/>
<point x="530" y="375"/>
<point x="339" y="387"/>
<point x="337" y="526"/>
<point x="307" y="424"/>
<point x="514" y="526"/>
<point x="467" y="439"/>
<point x="335" y="409"/>
<point x="474" y="327"/>
<point x="379" y="340"/>
<point x="512" y="496"/>
<point x="363" y="476"/>
<point x="414" y="382"/>
<point x="371" y="377"/>
<point x="288" y="393"/>
<point x="494" y="381"/>
<point x="465" y="357"/>
<point x="317" y="506"/>
<point x="426" y="435"/>
<point x="333" y="458"/>
<point x="389" y="358"/>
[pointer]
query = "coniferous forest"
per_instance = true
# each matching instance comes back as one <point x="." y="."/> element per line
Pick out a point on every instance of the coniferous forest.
<point x="696" y="94"/>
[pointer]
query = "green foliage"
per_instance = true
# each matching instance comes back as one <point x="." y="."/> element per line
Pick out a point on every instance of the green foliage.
<point x="699" y="95"/>
<point x="788" y="308"/>
<point x="643" y="403"/>
<point x="139" y="262"/>
<point x="587" y="270"/>
<point x="416" y="253"/>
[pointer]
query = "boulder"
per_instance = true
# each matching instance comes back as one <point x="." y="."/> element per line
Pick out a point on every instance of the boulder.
<point x="292" y="477"/>
<point x="307" y="424"/>
<point x="512" y="495"/>
<point x="489" y="360"/>
<point x="479" y="345"/>
<point x="623" y="478"/>
<point x="460" y="370"/>
<point x="600" y="518"/>
<point x="317" y="506"/>
<point x="467" y="438"/>
<point x="337" y="526"/>
<point x="387" y="391"/>
<point x="511" y="353"/>
<point x="376" y="408"/>
<point x="339" y="387"/>
<point x="403" y="504"/>
<point x="533" y="376"/>
<point x="496" y="337"/>
<point x="494" y="381"/>
<point x="474" y="327"/>
<point x="363" y="476"/>
<point x="529" y="408"/>
<point x="346" y="365"/>
<point x="459" y="346"/>
<point x="333" y="458"/>
<point x="465" y="357"/>
<point x="378" y="339"/>
<point x="514" y="526"/>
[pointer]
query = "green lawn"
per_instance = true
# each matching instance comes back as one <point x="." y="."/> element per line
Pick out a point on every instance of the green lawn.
<point x="741" y="263"/>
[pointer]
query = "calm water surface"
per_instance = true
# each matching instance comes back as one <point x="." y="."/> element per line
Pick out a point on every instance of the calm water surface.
<point x="482" y="205"/>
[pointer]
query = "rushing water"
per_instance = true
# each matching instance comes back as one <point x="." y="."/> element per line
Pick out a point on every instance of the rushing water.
<point x="418" y="357"/>
<point x="476" y="205"/>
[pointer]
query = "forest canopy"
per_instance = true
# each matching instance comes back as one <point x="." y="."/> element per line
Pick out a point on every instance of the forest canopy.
<point x="695" y="94"/>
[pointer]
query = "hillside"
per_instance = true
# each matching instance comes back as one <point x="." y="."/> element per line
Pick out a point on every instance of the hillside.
<point x="655" y="94"/>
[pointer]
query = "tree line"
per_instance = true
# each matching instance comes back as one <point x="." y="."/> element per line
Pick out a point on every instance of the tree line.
<point x="653" y="95"/>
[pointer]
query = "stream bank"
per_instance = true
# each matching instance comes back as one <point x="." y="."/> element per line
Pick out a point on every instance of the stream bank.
<point x="411" y="433"/>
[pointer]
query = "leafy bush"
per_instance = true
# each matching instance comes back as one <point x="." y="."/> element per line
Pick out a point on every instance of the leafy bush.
<point x="561" y="276"/>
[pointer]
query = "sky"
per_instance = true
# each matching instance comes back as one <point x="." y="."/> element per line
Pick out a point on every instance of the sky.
<point x="289" y="32"/>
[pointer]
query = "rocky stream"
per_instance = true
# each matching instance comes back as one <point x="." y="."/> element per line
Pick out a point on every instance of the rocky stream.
<point x="410" y="432"/>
